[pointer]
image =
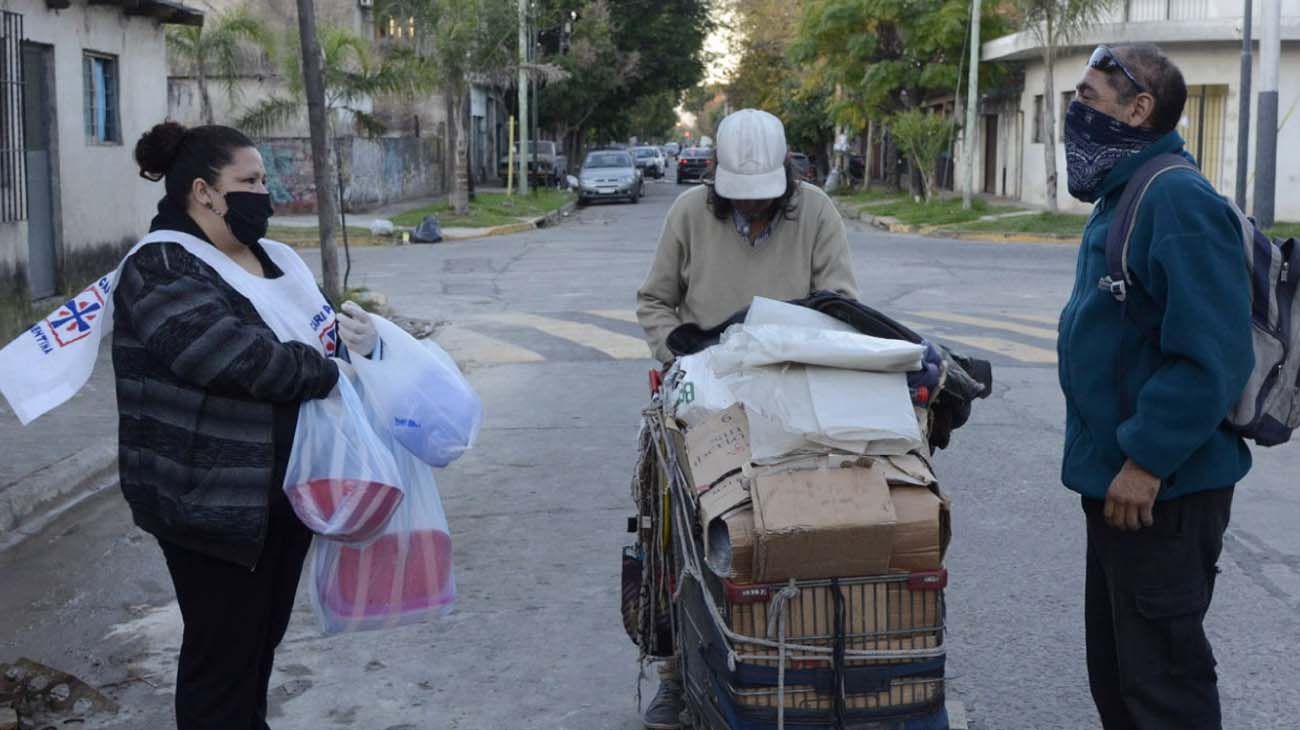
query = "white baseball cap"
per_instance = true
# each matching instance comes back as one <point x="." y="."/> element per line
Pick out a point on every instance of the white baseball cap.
<point x="751" y="156"/>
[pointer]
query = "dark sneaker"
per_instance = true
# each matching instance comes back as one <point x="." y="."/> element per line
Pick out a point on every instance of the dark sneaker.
<point x="666" y="709"/>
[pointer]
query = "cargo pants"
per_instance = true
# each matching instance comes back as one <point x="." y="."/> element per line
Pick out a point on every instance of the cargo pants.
<point x="1150" y="664"/>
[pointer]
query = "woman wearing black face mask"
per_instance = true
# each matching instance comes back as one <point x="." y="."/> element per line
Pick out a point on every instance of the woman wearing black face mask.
<point x="218" y="338"/>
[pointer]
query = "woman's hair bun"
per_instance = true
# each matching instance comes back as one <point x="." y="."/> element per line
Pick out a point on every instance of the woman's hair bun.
<point x="157" y="149"/>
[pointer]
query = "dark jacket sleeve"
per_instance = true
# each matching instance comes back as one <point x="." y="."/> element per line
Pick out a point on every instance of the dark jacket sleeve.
<point x="186" y="321"/>
<point x="1194" y="266"/>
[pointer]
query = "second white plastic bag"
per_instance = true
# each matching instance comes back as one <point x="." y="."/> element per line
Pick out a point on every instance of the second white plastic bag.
<point x="401" y="577"/>
<point x="422" y="398"/>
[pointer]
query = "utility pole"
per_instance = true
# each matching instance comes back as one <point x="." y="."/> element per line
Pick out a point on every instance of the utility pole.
<point x="1243" y="109"/>
<point x="523" y="97"/>
<point x="1270" y="59"/>
<point x="972" y="101"/>
<point x="326" y="193"/>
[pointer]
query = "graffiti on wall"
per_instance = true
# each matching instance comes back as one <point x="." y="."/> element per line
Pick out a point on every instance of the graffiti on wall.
<point x="375" y="172"/>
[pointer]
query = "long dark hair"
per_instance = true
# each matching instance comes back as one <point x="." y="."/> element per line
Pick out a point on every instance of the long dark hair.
<point x="182" y="155"/>
<point x="786" y="206"/>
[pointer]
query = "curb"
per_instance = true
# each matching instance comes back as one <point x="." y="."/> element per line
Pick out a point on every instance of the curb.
<point x="30" y="502"/>
<point x="893" y="225"/>
<point x="544" y="221"/>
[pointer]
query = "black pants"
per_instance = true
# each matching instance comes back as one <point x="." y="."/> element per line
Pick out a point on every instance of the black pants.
<point x="234" y="620"/>
<point x="1150" y="664"/>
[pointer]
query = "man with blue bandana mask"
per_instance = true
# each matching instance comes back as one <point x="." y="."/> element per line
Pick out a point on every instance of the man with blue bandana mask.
<point x="1145" y="444"/>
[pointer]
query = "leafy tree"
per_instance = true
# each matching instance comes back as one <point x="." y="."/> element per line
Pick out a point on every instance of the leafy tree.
<point x="883" y="56"/>
<point x="1054" y="23"/>
<point x="923" y="137"/>
<point x="219" y="50"/>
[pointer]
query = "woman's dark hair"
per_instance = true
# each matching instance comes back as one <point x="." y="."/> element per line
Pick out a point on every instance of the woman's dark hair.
<point x="181" y="155"/>
<point x="786" y="206"/>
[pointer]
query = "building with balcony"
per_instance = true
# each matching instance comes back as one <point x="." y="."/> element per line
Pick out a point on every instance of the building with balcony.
<point x="1203" y="37"/>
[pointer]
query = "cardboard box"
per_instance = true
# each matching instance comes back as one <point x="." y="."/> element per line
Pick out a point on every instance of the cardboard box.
<point x="822" y="524"/>
<point x="717" y="449"/>
<point x="922" y="529"/>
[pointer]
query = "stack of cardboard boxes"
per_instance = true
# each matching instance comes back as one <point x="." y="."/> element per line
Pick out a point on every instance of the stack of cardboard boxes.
<point x="879" y="526"/>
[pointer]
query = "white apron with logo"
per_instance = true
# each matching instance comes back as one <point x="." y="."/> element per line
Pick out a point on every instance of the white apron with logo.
<point x="46" y="365"/>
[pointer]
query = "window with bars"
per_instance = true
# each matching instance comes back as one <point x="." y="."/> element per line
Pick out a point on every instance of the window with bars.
<point x="101" y="82"/>
<point x="13" y="183"/>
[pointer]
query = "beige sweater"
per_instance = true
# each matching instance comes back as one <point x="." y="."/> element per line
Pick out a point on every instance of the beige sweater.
<point x="705" y="272"/>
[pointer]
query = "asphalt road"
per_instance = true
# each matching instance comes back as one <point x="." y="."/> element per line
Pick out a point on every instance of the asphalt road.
<point x="543" y="322"/>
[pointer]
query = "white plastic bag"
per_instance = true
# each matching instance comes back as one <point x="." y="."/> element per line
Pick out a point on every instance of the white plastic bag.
<point x="422" y="398"/>
<point x="748" y="346"/>
<point x="342" y="479"/>
<point x="771" y="311"/>
<point x="697" y="392"/>
<point x="796" y="408"/>
<point x="403" y="576"/>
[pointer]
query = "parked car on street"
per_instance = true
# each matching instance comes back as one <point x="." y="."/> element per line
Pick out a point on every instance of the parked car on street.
<point x="609" y="175"/>
<point x="804" y="169"/>
<point x="550" y="168"/>
<point x="671" y="149"/>
<point x="650" y="160"/>
<point x="693" y="165"/>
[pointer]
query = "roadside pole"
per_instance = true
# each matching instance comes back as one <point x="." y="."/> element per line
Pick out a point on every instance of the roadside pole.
<point x="972" y="101"/>
<point x="510" y="157"/>
<point x="523" y="97"/>
<point x="1270" y="59"/>
<point x="322" y="162"/>
<point x="1243" y="109"/>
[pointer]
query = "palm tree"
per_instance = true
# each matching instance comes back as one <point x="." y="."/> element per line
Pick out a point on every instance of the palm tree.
<point x="218" y="50"/>
<point x="354" y="75"/>
<point x="1054" y="23"/>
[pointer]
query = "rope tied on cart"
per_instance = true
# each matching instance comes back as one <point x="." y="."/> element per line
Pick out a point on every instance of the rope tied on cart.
<point x="776" y="618"/>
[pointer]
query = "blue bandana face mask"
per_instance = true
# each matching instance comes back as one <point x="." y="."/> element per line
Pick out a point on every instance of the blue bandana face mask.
<point x="1094" y="144"/>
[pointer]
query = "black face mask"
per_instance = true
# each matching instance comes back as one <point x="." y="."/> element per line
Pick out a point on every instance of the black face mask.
<point x="248" y="215"/>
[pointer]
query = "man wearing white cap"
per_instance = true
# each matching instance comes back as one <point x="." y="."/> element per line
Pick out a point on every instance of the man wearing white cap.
<point x="753" y="231"/>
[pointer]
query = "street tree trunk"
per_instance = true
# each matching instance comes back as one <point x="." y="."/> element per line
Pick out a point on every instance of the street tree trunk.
<point x="205" y="99"/>
<point x="868" y="155"/>
<point x="1049" y="116"/>
<point x="326" y="191"/>
<point x="459" y="197"/>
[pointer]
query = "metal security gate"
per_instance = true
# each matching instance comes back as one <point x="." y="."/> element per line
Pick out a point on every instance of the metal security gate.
<point x="13" y="177"/>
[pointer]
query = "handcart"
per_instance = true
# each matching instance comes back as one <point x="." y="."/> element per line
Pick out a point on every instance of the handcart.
<point x="844" y="654"/>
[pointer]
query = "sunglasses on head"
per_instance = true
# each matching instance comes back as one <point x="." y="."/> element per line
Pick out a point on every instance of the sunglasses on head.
<point x="1103" y="59"/>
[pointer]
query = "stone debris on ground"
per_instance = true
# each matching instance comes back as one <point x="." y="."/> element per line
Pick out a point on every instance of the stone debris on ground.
<point x="43" y="696"/>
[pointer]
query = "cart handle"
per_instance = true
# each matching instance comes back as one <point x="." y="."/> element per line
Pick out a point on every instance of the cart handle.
<point x="656" y="381"/>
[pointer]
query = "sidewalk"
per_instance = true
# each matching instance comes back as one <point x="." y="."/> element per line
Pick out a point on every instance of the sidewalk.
<point x="363" y="220"/>
<point x="60" y="457"/>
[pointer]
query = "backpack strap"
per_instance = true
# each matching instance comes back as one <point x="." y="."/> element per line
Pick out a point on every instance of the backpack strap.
<point x="1116" y="281"/>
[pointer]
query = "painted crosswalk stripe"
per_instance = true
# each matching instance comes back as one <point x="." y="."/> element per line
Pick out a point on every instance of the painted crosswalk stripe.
<point x="993" y="324"/>
<point x="624" y="315"/>
<point x="1048" y="319"/>
<point x="1009" y="348"/>
<point x="467" y="345"/>
<point x="617" y="346"/>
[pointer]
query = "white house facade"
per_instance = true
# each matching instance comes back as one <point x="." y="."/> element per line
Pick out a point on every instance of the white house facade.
<point x="1203" y="37"/>
<point x="80" y="82"/>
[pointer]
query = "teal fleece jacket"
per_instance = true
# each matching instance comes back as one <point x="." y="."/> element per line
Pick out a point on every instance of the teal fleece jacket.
<point x="1162" y="406"/>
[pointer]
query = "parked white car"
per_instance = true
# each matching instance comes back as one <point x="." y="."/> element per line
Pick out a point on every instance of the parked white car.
<point x="651" y="161"/>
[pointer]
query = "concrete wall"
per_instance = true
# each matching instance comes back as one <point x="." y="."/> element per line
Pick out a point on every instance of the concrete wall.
<point x="376" y="172"/>
<point x="1216" y="65"/>
<point x="102" y="206"/>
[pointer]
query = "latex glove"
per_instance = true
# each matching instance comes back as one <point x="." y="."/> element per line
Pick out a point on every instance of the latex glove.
<point x="357" y="330"/>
